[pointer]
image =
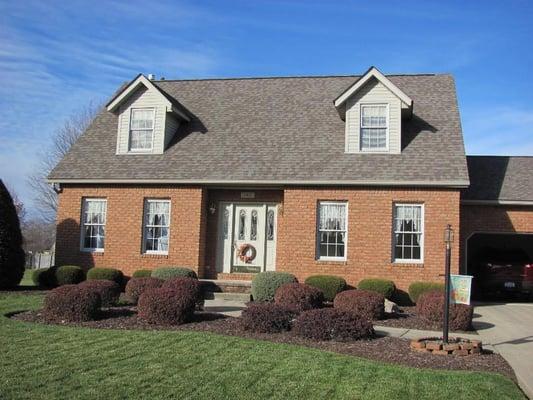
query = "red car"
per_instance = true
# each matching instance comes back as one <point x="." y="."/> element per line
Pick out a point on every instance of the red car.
<point x="504" y="272"/>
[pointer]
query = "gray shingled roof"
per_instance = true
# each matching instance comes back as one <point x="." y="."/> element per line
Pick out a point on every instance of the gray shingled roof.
<point x="500" y="178"/>
<point x="280" y="130"/>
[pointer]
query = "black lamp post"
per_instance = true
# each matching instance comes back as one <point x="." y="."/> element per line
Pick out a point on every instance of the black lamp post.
<point x="448" y="239"/>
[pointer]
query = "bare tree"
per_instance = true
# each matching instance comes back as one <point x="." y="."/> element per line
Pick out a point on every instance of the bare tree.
<point x="65" y="136"/>
<point x="19" y="205"/>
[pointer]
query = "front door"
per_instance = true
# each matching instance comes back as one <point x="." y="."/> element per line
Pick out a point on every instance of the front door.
<point x="246" y="237"/>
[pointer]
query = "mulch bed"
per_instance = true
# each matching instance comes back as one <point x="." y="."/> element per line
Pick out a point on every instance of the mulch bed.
<point x="387" y="349"/>
<point x="408" y="319"/>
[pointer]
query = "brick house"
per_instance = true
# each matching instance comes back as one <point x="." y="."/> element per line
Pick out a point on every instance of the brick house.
<point x="356" y="176"/>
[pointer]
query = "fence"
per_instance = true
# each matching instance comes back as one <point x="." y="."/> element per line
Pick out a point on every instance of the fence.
<point x="40" y="260"/>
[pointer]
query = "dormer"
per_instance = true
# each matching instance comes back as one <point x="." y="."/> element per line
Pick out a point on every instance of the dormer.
<point x="148" y="118"/>
<point x="373" y="109"/>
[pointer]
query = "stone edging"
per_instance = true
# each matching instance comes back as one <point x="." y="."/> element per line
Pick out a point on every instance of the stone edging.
<point x="455" y="346"/>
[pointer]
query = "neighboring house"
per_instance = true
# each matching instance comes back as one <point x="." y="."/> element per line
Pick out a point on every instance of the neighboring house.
<point x="351" y="176"/>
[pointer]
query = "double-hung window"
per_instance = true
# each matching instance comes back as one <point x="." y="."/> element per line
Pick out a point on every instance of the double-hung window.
<point x="156" y="227"/>
<point x="93" y="224"/>
<point x="332" y="230"/>
<point x="408" y="233"/>
<point x="141" y="129"/>
<point x="374" y="127"/>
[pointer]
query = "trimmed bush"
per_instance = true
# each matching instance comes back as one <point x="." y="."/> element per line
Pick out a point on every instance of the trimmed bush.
<point x="12" y="256"/>
<point x="266" y="318"/>
<point x="45" y="277"/>
<point x="332" y="324"/>
<point x="416" y="289"/>
<point x="137" y="286"/>
<point x="69" y="275"/>
<point x="142" y="273"/>
<point x="382" y="286"/>
<point x="71" y="303"/>
<point x="265" y="284"/>
<point x="298" y="297"/>
<point x="365" y="303"/>
<point x="165" y="306"/>
<point x="184" y="286"/>
<point x="330" y="285"/>
<point x="173" y="272"/>
<point x="108" y="291"/>
<point x="109" y="274"/>
<point x="431" y="307"/>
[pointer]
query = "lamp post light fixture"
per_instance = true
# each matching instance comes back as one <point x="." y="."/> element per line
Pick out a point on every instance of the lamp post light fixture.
<point x="448" y="239"/>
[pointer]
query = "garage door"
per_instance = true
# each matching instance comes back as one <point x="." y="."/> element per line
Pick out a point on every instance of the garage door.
<point x="497" y="260"/>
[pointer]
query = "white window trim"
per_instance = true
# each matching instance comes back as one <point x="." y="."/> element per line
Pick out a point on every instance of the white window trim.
<point x="82" y="224"/>
<point x="387" y="129"/>
<point x="423" y="225"/>
<point x="318" y="257"/>
<point x="141" y="151"/>
<point x="144" y="226"/>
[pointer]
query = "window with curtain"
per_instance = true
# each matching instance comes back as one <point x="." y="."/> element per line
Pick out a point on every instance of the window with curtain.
<point x="332" y="230"/>
<point x="374" y="125"/>
<point x="141" y="129"/>
<point x="408" y="232"/>
<point x="93" y="224"/>
<point x="156" y="226"/>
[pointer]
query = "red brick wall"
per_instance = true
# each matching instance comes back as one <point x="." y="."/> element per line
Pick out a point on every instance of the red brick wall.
<point x="369" y="234"/>
<point x="494" y="219"/>
<point x="124" y="227"/>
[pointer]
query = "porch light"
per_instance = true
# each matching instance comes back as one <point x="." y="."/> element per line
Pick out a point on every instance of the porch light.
<point x="212" y="208"/>
<point x="448" y="235"/>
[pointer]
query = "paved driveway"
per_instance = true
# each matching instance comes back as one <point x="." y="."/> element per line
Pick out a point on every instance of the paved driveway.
<point x="509" y="329"/>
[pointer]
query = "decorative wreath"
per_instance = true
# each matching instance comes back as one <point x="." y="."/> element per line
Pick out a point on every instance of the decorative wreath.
<point x="243" y="250"/>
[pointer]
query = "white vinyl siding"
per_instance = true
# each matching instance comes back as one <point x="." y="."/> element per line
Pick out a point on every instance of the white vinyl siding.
<point x="373" y="92"/>
<point x="142" y="99"/>
<point x="408" y="233"/>
<point x="172" y="124"/>
<point x="93" y="220"/>
<point x="156" y="226"/>
<point x="332" y="230"/>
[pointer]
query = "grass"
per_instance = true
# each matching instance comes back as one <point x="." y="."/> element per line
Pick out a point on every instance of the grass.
<point x="27" y="278"/>
<point x="53" y="362"/>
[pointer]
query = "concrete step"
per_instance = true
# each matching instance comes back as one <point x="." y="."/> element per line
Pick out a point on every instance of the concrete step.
<point x="226" y="286"/>
<point x="240" y="297"/>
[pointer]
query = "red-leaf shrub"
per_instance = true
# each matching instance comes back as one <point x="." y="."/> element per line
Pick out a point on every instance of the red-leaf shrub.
<point x="266" y="318"/>
<point x="71" y="303"/>
<point x="166" y="306"/>
<point x="184" y="286"/>
<point x="109" y="291"/>
<point x="332" y="324"/>
<point x="137" y="286"/>
<point x="430" y="306"/>
<point x="367" y="304"/>
<point x="298" y="296"/>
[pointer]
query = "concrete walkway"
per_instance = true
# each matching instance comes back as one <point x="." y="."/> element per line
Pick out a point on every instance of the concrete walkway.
<point x="509" y="328"/>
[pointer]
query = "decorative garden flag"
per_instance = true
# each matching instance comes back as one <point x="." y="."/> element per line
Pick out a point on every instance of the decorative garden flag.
<point x="460" y="288"/>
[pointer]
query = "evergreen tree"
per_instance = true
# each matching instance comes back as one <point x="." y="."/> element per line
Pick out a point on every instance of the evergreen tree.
<point x="11" y="252"/>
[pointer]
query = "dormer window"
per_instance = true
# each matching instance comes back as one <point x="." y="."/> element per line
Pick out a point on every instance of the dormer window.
<point x="374" y="127"/>
<point x="141" y="129"/>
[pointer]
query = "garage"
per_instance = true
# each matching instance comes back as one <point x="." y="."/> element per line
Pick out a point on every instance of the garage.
<point x="500" y="263"/>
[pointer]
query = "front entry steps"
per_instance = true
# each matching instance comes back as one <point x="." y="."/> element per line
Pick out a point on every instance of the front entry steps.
<point x="232" y="290"/>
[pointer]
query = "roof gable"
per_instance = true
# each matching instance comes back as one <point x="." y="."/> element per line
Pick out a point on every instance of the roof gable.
<point x="373" y="73"/>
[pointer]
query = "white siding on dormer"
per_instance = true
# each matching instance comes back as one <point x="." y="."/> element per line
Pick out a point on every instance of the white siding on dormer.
<point x="374" y="92"/>
<point x="171" y="127"/>
<point x="142" y="98"/>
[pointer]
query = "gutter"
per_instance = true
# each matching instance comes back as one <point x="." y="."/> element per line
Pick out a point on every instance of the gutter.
<point x="497" y="202"/>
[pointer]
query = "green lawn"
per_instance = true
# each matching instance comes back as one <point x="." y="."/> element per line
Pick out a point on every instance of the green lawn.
<point x="49" y="362"/>
<point x="26" y="279"/>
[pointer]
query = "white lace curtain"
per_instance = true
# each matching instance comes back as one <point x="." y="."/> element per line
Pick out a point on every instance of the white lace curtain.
<point x="332" y="217"/>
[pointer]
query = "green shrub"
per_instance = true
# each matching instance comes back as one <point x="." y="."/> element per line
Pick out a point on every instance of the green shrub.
<point x="416" y="289"/>
<point x="69" y="275"/>
<point x="382" y="286"/>
<point x="142" y="273"/>
<point x="265" y="284"/>
<point x="330" y="285"/>
<point x="110" y="274"/>
<point x="45" y="277"/>
<point x="11" y="253"/>
<point x="173" y="272"/>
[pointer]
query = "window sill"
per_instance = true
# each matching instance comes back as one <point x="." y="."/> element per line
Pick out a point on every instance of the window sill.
<point x="93" y="252"/>
<point x="408" y="264"/>
<point x="331" y="261"/>
<point x="154" y="255"/>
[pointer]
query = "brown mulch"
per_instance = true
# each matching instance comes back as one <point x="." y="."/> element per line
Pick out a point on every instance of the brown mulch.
<point x="386" y="349"/>
<point x="408" y="319"/>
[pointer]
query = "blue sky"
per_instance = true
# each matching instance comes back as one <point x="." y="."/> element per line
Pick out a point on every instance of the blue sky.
<point x="57" y="56"/>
